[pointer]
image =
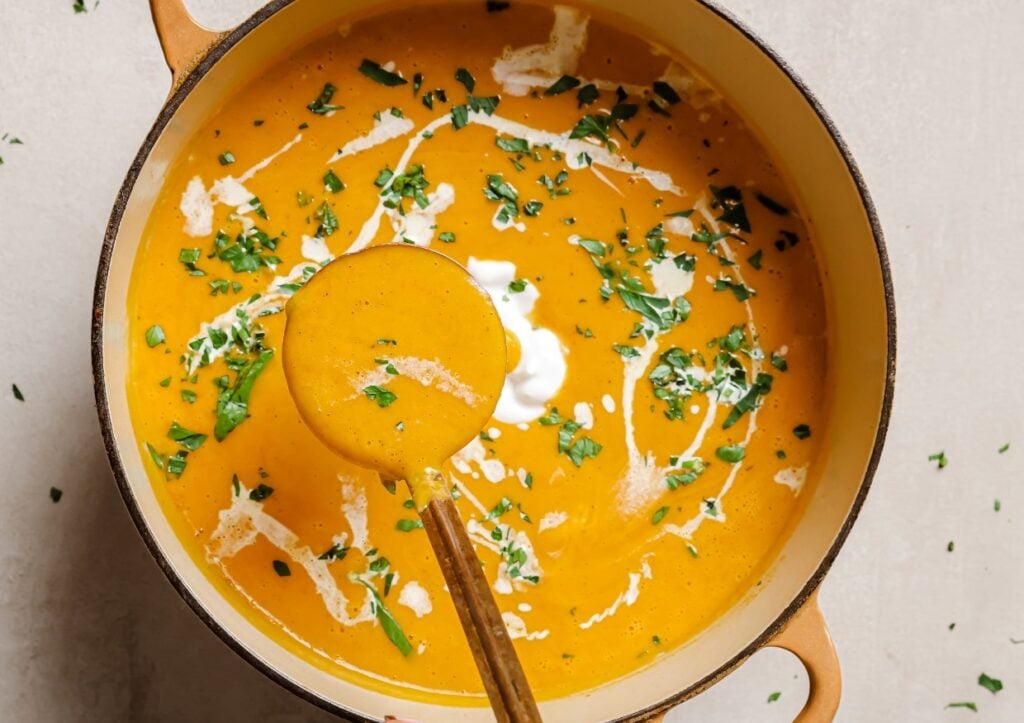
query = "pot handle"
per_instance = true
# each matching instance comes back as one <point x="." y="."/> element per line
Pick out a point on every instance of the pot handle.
<point x="807" y="637"/>
<point x="184" y="41"/>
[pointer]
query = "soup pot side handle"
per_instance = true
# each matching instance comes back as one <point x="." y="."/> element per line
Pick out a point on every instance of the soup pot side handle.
<point x="184" y="41"/>
<point x="807" y="637"/>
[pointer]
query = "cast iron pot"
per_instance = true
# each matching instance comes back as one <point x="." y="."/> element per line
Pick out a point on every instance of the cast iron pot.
<point x="206" y="65"/>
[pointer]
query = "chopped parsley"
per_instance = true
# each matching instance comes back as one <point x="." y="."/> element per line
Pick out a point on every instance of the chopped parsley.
<point x="333" y="553"/>
<point x="375" y="72"/>
<point x="1004" y="448"/>
<point x="55" y="494"/>
<point x="517" y="286"/>
<point x="261" y="492"/>
<point x="409" y="525"/>
<point x="966" y="704"/>
<point x="731" y="453"/>
<point x="772" y="205"/>
<point x="154" y="335"/>
<point x="801" y="431"/>
<point x="322" y="104"/>
<point x="387" y="622"/>
<point x="328" y="221"/>
<point x="460" y="116"/>
<point x="755" y="260"/>
<point x="513" y="145"/>
<point x="748" y="402"/>
<point x="189" y="258"/>
<point x="248" y="252"/>
<point x="186" y="438"/>
<point x="587" y="95"/>
<point x="563" y="84"/>
<point x="226" y="158"/>
<point x="659" y="515"/>
<point x="382" y="396"/>
<point x="233" y="400"/>
<point x="939" y="458"/>
<point x="447" y="237"/>
<point x="332" y="183"/>
<point x="281" y="568"/>
<point x="466" y="78"/>
<point x="729" y="201"/>
<point x="738" y="288"/>
<point x="666" y="92"/>
<point x="599" y="126"/>
<point x="17" y="393"/>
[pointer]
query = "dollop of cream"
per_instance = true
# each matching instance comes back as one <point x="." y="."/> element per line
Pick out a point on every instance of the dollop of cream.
<point x="792" y="477"/>
<point x="542" y="368"/>
<point x="415" y="597"/>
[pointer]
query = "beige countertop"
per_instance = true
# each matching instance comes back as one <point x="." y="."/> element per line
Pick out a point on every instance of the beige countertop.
<point x="929" y="98"/>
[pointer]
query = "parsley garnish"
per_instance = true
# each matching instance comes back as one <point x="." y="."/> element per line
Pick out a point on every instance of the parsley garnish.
<point x="761" y="386"/>
<point x="226" y="158"/>
<point x="755" y="260"/>
<point x="513" y="145"/>
<point x="261" y="492"/>
<point x="517" y="286"/>
<point x="1004" y="448"/>
<point x="466" y="78"/>
<point x="332" y="183"/>
<point x="328" y="221"/>
<point x="566" y="82"/>
<point x="408" y="525"/>
<point x="375" y="72"/>
<point x="801" y="431"/>
<point x="387" y="622"/>
<point x="155" y="335"/>
<point x="55" y="494"/>
<point x="187" y="439"/>
<point x="659" y="515"/>
<point x="460" y="116"/>
<point x="189" y="258"/>
<point x="447" y="237"/>
<point x="587" y="95"/>
<point x="730" y="201"/>
<point x="940" y="458"/>
<point x="233" y="402"/>
<point x="772" y="205"/>
<point x="322" y="104"/>
<point x="731" y="453"/>
<point x="966" y="704"/>
<point x="281" y="568"/>
<point x="381" y="395"/>
<point x="335" y="552"/>
<point x="666" y="92"/>
<point x="17" y="393"/>
<point x="772" y="697"/>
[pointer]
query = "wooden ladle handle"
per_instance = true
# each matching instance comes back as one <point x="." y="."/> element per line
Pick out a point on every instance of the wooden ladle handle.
<point x="499" y="666"/>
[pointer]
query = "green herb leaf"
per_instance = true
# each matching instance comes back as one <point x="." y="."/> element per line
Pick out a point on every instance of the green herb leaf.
<point x="755" y="260"/>
<point x="731" y="453"/>
<point x="17" y="393"/>
<point x="761" y="386"/>
<point x="583" y="448"/>
<point x="466" y="78"/>
<point x="381" y="395"/>
<point x="666" y="92"/>
<point x="409" y="525"/>
<point x="587" y="95"/>
<point x="233" y="402"/>
<point x="566" y="82"/>
<point x="187" y="439"/>
<point x="387" y="622"/>
<point x="967" y="704"/>
<point x="375" y="72"/>
<point x="801" y="431"/>
<point x="940" y="458"/>
<point x="1004" y="448"/>
<point x="659" y="515"/>
<point x="513" y="145"/>
<point x="55" y="494"/>
<point x="772" y="697"/>
<point x="322" y="104"/>
<point x="772" y="205"/>
<point x="532" y="208"/>
<point x="261" y="492"/>
<point x="333" y="553"/>
<point x="332" y="183"/>
<point x="281" y="568"/>
<point x="460" y="116"/>
<point x="155" y="335"/>
<point x="446" y="237"/>
<point x="517" y="286"/>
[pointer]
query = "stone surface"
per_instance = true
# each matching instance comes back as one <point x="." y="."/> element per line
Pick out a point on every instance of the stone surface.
<point x="928" y="97"/>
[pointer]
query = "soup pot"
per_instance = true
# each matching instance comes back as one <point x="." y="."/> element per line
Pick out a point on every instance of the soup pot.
<point x="782" y="611"/>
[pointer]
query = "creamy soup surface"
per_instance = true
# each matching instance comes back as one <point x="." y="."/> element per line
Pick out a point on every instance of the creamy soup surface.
<point x="657" y="436"/>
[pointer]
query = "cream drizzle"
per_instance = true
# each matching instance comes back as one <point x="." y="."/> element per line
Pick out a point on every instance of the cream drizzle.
<point x="428" y="372"/>
<point x="627" y="598"/>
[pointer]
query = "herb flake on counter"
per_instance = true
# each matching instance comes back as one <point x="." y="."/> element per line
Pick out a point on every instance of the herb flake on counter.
<point x="382" y="396"/>
<point x="993" y="685"/>
<point x="17" y="393"/>
<point x="282" y="569"/>
<point x="997" y="505"/>
<point x="80" y="7"/>
<point x="55" y="494"/>
<point x="965" y="704"/>
<point x="375" y="72"/>
<point x="939" y="458"/>
<point x="155" y="335"/>
<point x="950" y="546"/>
<point x="772" y="697"/>
<point x="1004" y="448"/>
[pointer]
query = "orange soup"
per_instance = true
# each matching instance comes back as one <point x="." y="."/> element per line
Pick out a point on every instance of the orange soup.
<point x="658" y="431"/>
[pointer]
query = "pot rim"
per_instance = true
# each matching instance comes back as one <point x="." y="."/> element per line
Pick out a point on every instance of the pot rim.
<point x="180" y="92"/>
